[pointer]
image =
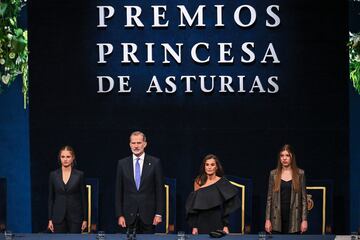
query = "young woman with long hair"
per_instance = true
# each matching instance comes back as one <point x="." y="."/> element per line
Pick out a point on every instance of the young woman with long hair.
<point x="286" y="208"/>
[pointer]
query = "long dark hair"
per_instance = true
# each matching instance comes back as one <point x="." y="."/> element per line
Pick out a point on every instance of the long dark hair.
<point x="71" y="150"/>
<point x="202" y="177"/>
<point x="294" y="168"/>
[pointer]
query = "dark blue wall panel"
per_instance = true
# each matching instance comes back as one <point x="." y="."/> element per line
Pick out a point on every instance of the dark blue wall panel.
<point x="354" y="135"/>
<point x="15" y="157"/>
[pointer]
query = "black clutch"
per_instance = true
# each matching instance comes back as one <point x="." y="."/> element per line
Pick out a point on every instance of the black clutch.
<point x="217" y="234"/>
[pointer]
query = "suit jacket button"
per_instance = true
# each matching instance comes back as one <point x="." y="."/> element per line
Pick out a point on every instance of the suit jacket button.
<point x="131" y="214"/>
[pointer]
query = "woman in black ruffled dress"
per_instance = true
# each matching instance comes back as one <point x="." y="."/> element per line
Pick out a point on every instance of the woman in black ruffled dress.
<point x="213" y="199"/>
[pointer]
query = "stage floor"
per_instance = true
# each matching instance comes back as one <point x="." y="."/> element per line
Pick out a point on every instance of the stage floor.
<point x="170" y="237"/>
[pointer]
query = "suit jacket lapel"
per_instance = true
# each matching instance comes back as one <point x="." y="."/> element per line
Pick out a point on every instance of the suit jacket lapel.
<point x="130" y="170"/>
<point x="72" y="177"/>
<point x="60" y="179"/>
<point x="145" y="170"/>
<point x="292" y="199"/>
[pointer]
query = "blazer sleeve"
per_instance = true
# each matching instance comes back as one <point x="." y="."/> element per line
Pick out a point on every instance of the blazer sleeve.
<point x="83" y="196"/>
<point x="119" y="189"/>
<point x="50" y="197"/>
<point x="303" y="197"/>
<point x="159" y="189"/>
<point x="269" y="196"/>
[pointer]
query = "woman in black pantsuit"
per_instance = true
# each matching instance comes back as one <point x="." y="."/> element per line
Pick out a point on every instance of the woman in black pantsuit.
<point x="67" y="206"/>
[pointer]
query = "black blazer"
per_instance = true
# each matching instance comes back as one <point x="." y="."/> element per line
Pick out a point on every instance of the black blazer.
<point x="68" y="200"/>
<point x="148" y="200"/>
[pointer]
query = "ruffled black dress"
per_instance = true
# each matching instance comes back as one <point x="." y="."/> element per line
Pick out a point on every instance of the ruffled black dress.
<point x="208" y="208"/>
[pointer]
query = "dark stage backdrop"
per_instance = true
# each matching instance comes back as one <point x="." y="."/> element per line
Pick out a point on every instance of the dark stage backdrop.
<point x="304" y="104"/>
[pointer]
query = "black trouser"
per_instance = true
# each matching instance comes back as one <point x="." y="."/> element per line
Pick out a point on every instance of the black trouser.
<point x="67" y="227"/>
<point x="141" y="227"/>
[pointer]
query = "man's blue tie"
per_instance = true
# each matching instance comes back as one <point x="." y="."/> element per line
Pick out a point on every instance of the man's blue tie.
<point x="137" y="173"/>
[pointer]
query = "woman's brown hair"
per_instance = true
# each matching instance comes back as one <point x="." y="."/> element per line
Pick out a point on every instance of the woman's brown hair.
<point x="294" y="168"/>
<point x="202" y="177"/>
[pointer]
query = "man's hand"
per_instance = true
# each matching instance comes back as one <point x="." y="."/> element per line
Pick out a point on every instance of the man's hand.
<point x="83" y="225"/>
<point x="121" y="222"/>
<point x="157" y="220"/>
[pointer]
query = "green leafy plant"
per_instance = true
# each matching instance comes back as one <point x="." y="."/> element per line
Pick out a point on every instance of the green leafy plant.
<point x="13" y="46"/>
<point x="354" y="60"/>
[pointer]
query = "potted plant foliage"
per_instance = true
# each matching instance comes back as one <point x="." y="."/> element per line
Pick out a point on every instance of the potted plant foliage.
<point x="354" y="60"/>
<point x="13" y="46"/>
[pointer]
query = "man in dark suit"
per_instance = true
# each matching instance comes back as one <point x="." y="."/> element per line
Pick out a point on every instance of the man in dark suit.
<point x="139" y="193"/>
